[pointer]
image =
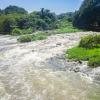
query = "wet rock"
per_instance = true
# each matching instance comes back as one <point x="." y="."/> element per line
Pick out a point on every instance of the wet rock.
<point x="58" y="44"/>
<point x="77" y="69"/>
<point x="80" y="62"/>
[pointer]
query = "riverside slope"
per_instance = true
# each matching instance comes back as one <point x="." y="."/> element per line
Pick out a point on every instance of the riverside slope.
<point x="38" y="70"/>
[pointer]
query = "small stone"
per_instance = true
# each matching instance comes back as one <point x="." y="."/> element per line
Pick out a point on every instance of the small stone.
<point x="80" y="61"/>
<point x="32" y="50"/>
<point x="58" y="44"/>
<point x="77" y="69"/>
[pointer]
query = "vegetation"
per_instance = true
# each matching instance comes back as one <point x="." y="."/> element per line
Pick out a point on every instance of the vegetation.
<point x="25" y="38"/>
<point x="39" y="36"/>
<point x="64" y="24"/>
<point x="15" y="17"/>
<point x="90" y="41"/>
<point x="88" y="50"/>
<point x="94" y="61"/>
<point x="29" y="37"/>
<point x="68" y="30"/>
<point x="16" y="21"/>
<point x="16" y="32"/>
<point x="88" y="16"/>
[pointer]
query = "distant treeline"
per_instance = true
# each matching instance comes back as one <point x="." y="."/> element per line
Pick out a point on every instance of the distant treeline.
<point x="16" y="18"/>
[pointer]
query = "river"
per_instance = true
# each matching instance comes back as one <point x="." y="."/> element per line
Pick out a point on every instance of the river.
<point x="30" y="71"/>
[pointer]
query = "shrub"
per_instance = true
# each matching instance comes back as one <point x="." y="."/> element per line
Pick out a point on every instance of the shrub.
<point x="90" y="41"/>
<point x="39" y="36"/>
<point x="29" y="38"/>
<point x="25" y="38"/>
<point x="16" y="32"/>
<point x="94" y="61"/>
<point x="27" y="31"/>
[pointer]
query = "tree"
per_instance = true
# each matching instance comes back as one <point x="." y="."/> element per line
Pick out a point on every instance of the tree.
<point x="68" y="16"/>
<point x="23" y="22"/>
<point x="14" y="9"/>
<point x="42" y="20"/>
<point x="0" y="11"/>
<point x="6" y="24"/>
<point x="88" y="16"/>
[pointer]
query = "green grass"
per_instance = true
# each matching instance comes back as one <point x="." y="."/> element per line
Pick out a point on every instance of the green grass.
<point x="88" y="50"/>
<point x="29" y="37"/>
<point x="90" y="55"/>
<point x="39" y="36"/>
<point x="65" y="26"/>
<point x="94" y="61"/>
<point x="68" y="30"/>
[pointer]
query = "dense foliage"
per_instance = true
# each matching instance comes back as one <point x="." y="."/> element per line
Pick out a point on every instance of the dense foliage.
<point x="9" y="22"/>
<point x="14" y="19"/>
<point x="88" y="16"/>
<point x="90" y="41"/>
<point x="25" y="38"/>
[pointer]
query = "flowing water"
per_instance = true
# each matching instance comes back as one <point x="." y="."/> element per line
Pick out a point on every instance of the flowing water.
<point x="26" y="75"/>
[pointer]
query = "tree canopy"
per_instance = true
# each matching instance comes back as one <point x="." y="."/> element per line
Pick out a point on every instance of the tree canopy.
<point x="88" y="16"/>
<point x="16" y="17"/>
<point x="14" y="9"/>
<point x="13" y="17"/>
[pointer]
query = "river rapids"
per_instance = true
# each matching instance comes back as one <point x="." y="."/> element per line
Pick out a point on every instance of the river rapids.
<point x="30" y="71"/>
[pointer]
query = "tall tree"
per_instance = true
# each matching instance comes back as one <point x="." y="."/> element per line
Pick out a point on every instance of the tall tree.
<point x="88" y="16"/>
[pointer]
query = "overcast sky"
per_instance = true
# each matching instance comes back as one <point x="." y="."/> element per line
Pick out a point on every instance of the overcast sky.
<point x="57" y="6"/>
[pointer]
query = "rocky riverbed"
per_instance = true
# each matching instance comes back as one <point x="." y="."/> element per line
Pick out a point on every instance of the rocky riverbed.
<point x="39" y="71"/>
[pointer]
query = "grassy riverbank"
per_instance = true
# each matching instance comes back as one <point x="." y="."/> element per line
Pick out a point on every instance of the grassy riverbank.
<point x="88" y="50"/>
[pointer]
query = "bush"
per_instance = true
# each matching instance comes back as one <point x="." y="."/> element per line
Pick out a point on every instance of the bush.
<point x="25" y="38"/>
<point x="39" y="36"/>
<point x="94" y="61"/>
<point x="16" y="32"/>
<point x="6" y="23"/>
<point x="29" y="38"/>
<point x="29" y="31"/>
<point x="90" y="41"/>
